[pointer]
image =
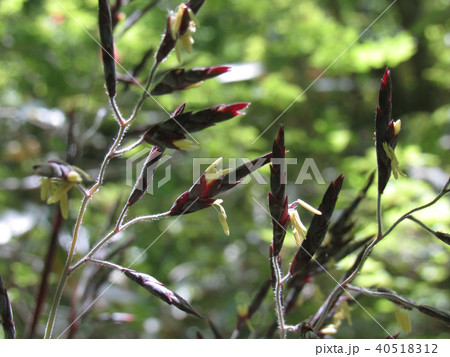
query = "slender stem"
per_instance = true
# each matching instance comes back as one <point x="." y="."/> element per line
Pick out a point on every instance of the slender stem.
<point x="420" y="223"/>
<point x="278" y="298"/>
<point x="379" y="224"/>
<point x="144" y="95"/>
<point x="287" y="277"/>
<point x="111" y="234"/>
<point x="106" y="160"/>
<point x="66" y="272"/>
<point x="105" y="263"/>
<point x="128" y="148"/>
<point x="406" y="215"/>
<point x="151" y="217"/>
<point x="388" y="295"/>
<point x="121" y="217"/>
<point x="117" y="115"/>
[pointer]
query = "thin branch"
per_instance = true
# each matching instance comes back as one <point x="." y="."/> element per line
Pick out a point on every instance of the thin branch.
<point x="279" y="308"/>
<point x="145" y="95"/>
<point x="444" y="191"/>
<point x="362" y="257"/>
<point x="111" y="234"/>
<point x="420" y="223"/>
<point x="405" y="303"/>
<point x="128" y="148"/>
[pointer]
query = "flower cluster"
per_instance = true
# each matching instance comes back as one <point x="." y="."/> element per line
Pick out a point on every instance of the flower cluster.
<point x="318" y="227"/>
<point x="281" y="212"/>
<point x="58" y="178"/>
<point x="212" y="183"/>
<point x="181" y="25"/>
<point x="386" y="134"/>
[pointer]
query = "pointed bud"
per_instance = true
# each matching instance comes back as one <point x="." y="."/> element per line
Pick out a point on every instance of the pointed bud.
<point x="157" y="289"/>
<point x="179" y="79"/>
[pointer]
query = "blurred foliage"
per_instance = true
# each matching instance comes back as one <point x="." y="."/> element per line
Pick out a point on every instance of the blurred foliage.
<point x="313" y="73"/>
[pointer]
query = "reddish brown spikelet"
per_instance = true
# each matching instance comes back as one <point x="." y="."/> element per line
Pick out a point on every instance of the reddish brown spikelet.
<point x="167" y="44"/>
<point x="180" y="79"/>
<point x="181" y="123"/>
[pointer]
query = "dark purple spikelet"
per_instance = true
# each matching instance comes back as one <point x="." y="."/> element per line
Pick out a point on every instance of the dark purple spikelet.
<point x="157" y="289"/>
<point x="168" y="133"/>
<point x="278" y="201"/>
<point x="384" y="130"/>
<point x="167" y="43"/>
<point x="179" y="79"/>
<point x="107" y="42"/>
<point x="318" y="227"/>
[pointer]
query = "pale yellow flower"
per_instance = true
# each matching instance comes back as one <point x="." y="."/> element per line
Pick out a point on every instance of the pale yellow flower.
<point x="212" y="174"/>
<point x="390" y="153"/>
<point x="222" y="216"/>
<point x="55" y="190"/>
<point x="403" y="319"/>
<point x="185" y="144"/>
<point x="298" y="228"/>
<point x="397" y="127"/>
<point x="184" y="39"/>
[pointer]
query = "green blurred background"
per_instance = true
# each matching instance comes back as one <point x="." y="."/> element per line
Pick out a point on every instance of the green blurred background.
<point x="51" y="75"/>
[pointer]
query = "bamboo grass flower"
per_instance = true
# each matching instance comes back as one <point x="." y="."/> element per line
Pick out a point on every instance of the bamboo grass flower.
<point x="212" y="174"/>
<point x="58" y="179"/>
<point x="318" y="226"/>
<point x="386" y="134"/>
<point x="211" y="183"/>
<point x="181" y="25"/>
<point x="298" y="228"/>
<point x="390" y="153"/>
<point x="403" y="319"/>
<point x="222" y="216"/>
